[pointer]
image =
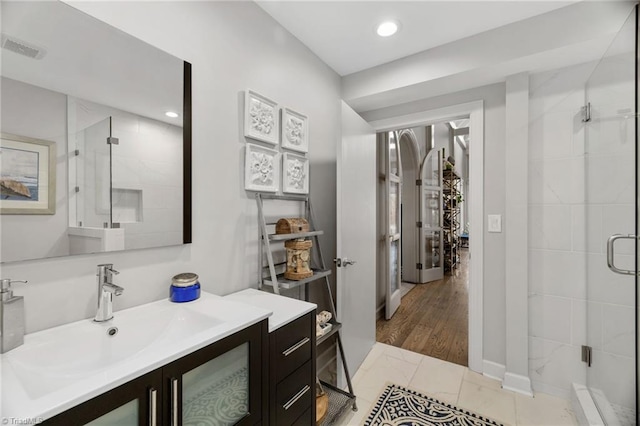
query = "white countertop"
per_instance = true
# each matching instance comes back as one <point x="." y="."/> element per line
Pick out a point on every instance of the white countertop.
<point x="33" y="388"/>
<point x="285" y="309"/>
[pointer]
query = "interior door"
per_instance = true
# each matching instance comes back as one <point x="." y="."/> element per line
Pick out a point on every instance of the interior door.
<point x="392" y="169"/>
<point x="610" y="150"/>
<point x="431" y="217"/>
<point x="356" y="238"/>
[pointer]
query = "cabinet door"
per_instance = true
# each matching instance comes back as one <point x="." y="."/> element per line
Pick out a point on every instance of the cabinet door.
<point x="220" y="384"/>
<point x="135" y="403"/>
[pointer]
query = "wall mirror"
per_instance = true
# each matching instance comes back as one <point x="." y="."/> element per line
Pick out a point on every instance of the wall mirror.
<point x="96" y="137"/>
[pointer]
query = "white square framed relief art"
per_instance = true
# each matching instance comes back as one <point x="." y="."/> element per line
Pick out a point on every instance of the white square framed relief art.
<point x="261" y="118"/>
<point x="261" y="169"/>
<point x="295" y="174"/>
<point x="295" y="130"/>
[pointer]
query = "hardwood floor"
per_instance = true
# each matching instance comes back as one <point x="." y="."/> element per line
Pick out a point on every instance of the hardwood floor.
<point x="433" y="318"/>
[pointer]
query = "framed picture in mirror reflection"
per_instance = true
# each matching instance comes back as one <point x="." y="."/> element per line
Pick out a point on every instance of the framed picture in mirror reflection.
<point x="27" y="175"/>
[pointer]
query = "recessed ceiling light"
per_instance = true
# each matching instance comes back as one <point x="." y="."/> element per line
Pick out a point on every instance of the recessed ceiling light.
<point x="387" y="28"/>
<point x="171" y="114"/>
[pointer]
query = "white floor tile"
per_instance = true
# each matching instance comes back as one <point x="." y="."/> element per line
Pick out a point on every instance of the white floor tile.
<point x="480" y="380"/>
<point x="385" y="369"/>
<point x="496" y="404"/>
<point x="544" y="410"/>
<point x="453" y="384"/>
<point x="438" y="379"/>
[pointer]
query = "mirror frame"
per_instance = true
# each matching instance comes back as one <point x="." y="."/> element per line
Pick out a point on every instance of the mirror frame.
<point x="186" y="157"/>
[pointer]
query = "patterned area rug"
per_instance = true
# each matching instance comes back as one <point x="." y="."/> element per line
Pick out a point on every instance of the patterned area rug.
<point x="398" y="406"/>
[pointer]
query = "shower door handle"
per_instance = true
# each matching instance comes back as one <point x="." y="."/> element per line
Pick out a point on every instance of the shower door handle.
<point x="611" y="253"/>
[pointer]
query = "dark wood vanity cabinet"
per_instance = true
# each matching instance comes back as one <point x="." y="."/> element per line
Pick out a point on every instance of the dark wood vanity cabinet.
<point x="292" y="372"/>
<point x="223" y="383"/>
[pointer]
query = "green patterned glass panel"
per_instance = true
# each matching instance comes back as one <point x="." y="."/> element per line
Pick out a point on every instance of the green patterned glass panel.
<point x="125" y="415"/>
<point x="217" y="393"/>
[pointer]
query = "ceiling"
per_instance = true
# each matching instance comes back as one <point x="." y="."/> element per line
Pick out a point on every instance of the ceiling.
<point x="342" y="33"/>
<point x="88" y="59"/>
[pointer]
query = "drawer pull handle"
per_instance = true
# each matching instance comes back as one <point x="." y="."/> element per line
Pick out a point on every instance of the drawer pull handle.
<point x="297" y="346"/>
<point x="296" y="397"/>
<point x="174" y="402"/>
<point x="153" y="407"/>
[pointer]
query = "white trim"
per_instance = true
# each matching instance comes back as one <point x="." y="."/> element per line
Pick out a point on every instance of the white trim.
<point x="493" y="370"/>
<point x="517" y="383"/>
<point x="584" y="407"/>
<point x="475" y="110"/>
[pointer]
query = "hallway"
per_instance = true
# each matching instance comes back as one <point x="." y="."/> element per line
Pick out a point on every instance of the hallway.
<point x="433" y="318"/>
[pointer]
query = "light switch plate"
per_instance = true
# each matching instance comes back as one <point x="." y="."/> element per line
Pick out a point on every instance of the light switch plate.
<point x="495" y="223"/>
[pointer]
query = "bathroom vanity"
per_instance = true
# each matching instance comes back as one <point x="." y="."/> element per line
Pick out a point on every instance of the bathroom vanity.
<point x="150" y="362"/>
<point x="292" y="355"/>
<point x="217" y="359"/>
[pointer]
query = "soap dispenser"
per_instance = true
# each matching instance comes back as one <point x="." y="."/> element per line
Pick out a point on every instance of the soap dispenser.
<point x="11" y="317"/>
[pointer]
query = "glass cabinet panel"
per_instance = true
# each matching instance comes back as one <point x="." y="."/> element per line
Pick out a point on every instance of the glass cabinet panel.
<point x="125" y="415"/>
<point x="432" y="249"/>
<point x="394" y="208"/>
<point x="217" y="392"/>
<point x="432" y="208"/>
<point x="393" y="276"/>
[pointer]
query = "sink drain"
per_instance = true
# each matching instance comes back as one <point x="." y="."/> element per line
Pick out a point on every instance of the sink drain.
<point x="112" y="331"/>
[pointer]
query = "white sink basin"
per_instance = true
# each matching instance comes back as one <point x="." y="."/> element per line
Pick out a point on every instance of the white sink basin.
<point x="58" y="368"/>
<point x="62" y="355"/>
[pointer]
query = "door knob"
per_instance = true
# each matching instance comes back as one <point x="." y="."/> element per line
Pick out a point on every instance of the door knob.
<point x="347" y="262"/>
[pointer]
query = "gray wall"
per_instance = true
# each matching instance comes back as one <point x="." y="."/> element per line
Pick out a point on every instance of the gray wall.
<point x="232" y="46"/>
<point x="29" y="236"/>
<point x="494" y="174"/>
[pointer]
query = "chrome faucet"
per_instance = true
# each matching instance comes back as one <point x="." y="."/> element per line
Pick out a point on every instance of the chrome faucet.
<point x="106" y="290"/>
<point x="11" y="317"/>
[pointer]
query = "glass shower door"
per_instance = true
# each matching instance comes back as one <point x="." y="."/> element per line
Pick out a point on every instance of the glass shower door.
<point x="93" y="176"/>
<point x="609" y="163"/>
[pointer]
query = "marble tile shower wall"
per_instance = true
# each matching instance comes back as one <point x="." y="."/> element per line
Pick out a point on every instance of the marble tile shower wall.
<point x="146" y="179"/>
<point x="581" y="190"/>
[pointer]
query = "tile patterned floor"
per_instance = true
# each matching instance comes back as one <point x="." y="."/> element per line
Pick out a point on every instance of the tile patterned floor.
<point x="454" y="384"/>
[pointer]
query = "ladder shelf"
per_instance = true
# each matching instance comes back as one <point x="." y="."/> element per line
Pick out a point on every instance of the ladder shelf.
<point x="275" y="281"/>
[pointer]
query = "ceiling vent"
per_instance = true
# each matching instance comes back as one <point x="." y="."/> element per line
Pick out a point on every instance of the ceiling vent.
<point x="22" y="47"/>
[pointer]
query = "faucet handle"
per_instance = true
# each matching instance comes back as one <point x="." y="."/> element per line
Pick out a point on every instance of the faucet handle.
<point x="107" y="267"/>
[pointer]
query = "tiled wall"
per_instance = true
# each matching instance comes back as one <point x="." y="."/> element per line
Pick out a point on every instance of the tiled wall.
<point x="146" y="175"/>
<point x="581" y="190"/>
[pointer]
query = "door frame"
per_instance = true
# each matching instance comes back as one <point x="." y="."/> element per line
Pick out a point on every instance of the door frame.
<point x="475" y="110"/>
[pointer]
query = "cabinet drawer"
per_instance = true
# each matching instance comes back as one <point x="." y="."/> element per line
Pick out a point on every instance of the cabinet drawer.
<point x="292" y="346"/>
<point x="305" y="419"/>
<point x="294" y="395"/>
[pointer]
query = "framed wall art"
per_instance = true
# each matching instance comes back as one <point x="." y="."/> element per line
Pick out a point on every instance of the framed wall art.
<point x="261" y="118"/>
<point x="295" y="130"/>
<point x="262" y="169"/>
<point x="27" y="175"/>
<point x="295" y="174"/>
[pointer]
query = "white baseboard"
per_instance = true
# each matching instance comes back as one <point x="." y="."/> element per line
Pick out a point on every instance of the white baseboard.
<point x="493" y="370"/>
<point x="517" y="383"/>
